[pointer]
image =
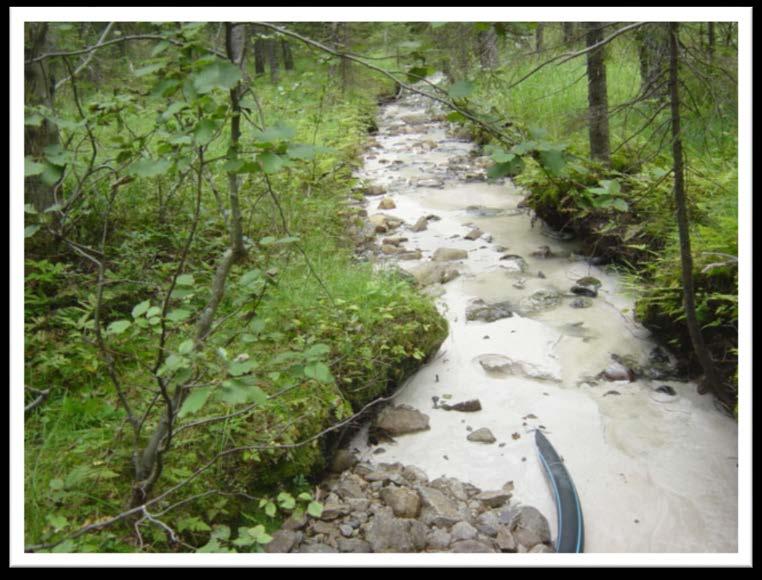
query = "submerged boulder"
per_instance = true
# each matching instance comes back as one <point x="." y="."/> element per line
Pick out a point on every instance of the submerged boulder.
<point x="401" y="420"/>
<point x="449" y="254"/>
<point x="480" y="310"/>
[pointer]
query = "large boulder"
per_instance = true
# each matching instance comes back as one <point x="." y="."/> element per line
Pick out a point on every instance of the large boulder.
<point x="480" y="310"/>
<point x="405" y="502"/>
<point x="401" y="420"/>
<point x="529" y="527"/>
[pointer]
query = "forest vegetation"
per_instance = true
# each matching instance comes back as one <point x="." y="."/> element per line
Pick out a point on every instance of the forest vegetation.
<point x="198" y="329"/>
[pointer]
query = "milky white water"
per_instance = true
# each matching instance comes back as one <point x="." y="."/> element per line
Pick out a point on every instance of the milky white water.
<point x="654" y="473"/>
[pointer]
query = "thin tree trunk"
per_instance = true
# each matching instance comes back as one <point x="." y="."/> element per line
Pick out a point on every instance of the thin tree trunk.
<point x="272" y="59"/>
<point x="488" y="48"/>
<point x="597" y="96"/>
<point x="235" y="42"/>
<point x="711" y="378"/>
<point x="288" y="57"/>
<point x="539" y="34"/>
<point x="568" y="32"/>
<point x="39" y="90"/>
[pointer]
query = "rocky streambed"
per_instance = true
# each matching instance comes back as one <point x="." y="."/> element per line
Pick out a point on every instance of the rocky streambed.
<point x="540" y="338"/>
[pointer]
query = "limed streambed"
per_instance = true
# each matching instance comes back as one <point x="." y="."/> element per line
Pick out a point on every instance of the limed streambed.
<point x="654" y="463"/>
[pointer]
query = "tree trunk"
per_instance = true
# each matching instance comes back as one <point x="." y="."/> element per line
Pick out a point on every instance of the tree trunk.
<point x="288" y="57"/>
<point x="711" y="378"/>
<point x="38" y="90"/>
<point x="488" y="48"/>
<point x="259" y="57"/>
<point x="272" y="59"/>
<point x="653" y="51"/>
<point x="539" y="33"/>
<point x="568" y="32"/>
<point x="597" y="96"/>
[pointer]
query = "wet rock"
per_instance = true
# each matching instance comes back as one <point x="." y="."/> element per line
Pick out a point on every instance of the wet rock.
<point x="540" y="301"/>
<point x="474" y="234"/>
<point x="449" y="254"/>
<point x="505" y="540"/>
<point x="389" y="249"/>
<point x="581" y="302"/>
<point x="541" y="274"/>
<point x="450" y="486"/>
<point x="401" y="420"/>
<point x="353" y="546"/>
<point x="542" y="252"/>
<point x="332" y="511"/>
<point x="464" y="407"/>
<point x="387" y="203"/>
<point x="405" y="502"/>
<point x="383" y="476"/>
<point x="499" y="365"/>
<point x="542" y="548"/>
<point x="488" y="523"/>
<point x="378" y="221"/>
<point x="414" y="474"/>
<point x="394" y="241"/>
<point x="520" y="284"/>
<point x="346" y="530"/>
<point x="587" y="286"/>
<point x="415" y="119"/>
<point x="386" y="533"/>
<point x="439" y="510"/>
<point x="351" y="488"/>
<point x="480" y="310"/>
<point x="430" y="182"/>
<point x="470" y="546"/>
<point x="482" y="435"/>
<point x="618" y="372"/>
<point x="343" y="459"/>
<point x="666" y="389"/>
<point x="372" y="190"/>
<point x="514" y="263"/>
<point x="438" y="539"/>
<point x="316" y="548"/>
<point x="283" y="541"/>
<point x="493" y="499"/>
<point x="295" y="522"/>
<point x="411" y="255"/>
<point x="463" y="531"/>
<point x="607" y="393"/>
<point x="482" y="211"/>
<point x="420" y="225"/>
<point x="529" y="527"/>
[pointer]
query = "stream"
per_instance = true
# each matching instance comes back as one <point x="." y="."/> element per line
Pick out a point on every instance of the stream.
<point x="653" y="462"/>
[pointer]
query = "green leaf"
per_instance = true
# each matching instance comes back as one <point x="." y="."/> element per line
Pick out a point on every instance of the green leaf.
<point x="153" y="311"/>
<point x="418" y="73"/>
<point x="141" y="308"/>
<point x="204" y="132"/>
<point x="185" y="280"/>
<point x="456" y="117"/>
<point x="319" y="372"/>
<point x="150" y="167"/>
<point x="219" y="74"/>
<point x="304" y="496"/>
<point x="159" y="48"/>
<point x="195" y="401"/>
<point x="271" y="509"/>
<point x="56" y="484"/>
<point x="317" y="350"/>
<point x="274" y="134"/>
<point x="118" y="327"/>
<point x="173" y="109"/>
<point x="304" y="152"/>
<point x="236" y="369"/>
<point x="315" y="509"/>
<point x="58" y="522"/>
<point x="179" y="315"/>
<point x="500" y="156"/>
<point x="194" y="524"/>
<point x="620" y="204"/>
<point x="461" y="89"/>
<point x="147" y="70"/>
<point x="523" y="148"/>
<point x="186" y="347"/>
<point x="270" y="162"/>
<point x="221" y="532"/>
<point x="32" y="167"/>
<point x="51" y="174"/>
<point x="233" y="392"/>
<point x="29" y="231"/>
<point x="511" y="168"/>
<point x="286" y="500"/>
<point x="553" y="160"/>
<point x="165" y="88"/>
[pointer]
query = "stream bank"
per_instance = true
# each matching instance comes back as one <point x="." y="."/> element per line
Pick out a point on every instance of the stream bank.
<point x="542" y="339"/>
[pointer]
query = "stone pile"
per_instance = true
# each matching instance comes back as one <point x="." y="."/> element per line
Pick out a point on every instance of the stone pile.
<point x="390" y="507"/>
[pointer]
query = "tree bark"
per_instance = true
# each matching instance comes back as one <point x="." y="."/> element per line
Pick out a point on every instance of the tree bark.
<point x="272" y="59"/>
<point x="597" y="96"/>
<point x="539" y="34"/>
<point x="288" y="57"/>
<point x="487" y="43"/>
<point x="38" y="90"/>
<point x="711" y="377"/>
<point x="568" y="32"/>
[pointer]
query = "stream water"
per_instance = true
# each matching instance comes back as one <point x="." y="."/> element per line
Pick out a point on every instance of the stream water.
<point x="655" y="472"/>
